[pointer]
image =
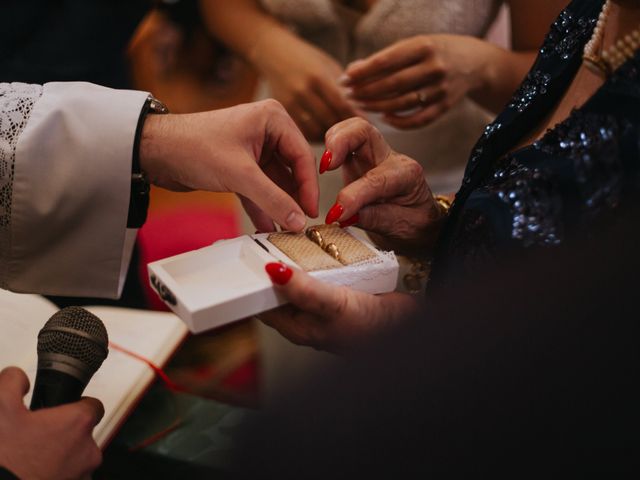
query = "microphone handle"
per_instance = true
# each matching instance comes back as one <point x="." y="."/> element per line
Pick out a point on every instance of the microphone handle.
<point x="53" y="388"/>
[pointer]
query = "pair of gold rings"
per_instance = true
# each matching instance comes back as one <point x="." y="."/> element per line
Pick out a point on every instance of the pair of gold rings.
<point x="305" y="117"/>
<point x="316" y="237"/>
<point x="422" y="97"/>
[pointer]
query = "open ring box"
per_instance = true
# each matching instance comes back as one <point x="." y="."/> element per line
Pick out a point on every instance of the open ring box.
<point x="227" y="281"/>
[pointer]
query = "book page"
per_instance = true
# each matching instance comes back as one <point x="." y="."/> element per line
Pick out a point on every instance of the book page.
<point x="21" y="318"/>
<point x="121" y="379"/>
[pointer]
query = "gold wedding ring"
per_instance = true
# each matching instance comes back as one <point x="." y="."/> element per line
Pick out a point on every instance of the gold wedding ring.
<point x="305" y="117"/>
<point x="316" y="237"/>
<point x="422" y="97"/>
<point x="332" y="249"/>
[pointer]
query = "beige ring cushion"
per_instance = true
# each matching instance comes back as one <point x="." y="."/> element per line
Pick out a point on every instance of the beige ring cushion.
<point x="311" y="257"/>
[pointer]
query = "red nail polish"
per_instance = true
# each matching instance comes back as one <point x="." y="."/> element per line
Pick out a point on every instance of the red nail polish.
<point x="334" y="214"/>
<point x="350" y="221"/>
<point x="325" y="161"/>
<point x="278" y="272"/>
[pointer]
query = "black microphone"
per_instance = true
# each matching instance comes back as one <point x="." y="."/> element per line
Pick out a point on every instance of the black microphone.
<point x="71" y="347"/>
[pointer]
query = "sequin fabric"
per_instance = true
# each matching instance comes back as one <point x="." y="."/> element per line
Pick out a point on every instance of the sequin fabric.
<point x="486" y="135"/>
<point x="575" y="173"/>
<point x="530" y="196"/>
<point x="567" y="35"/>
<point x="568" y="181"/>
<point x="565" y="39"/>
<point x="592" y="142"/>
<point x="476" y="240"/>
<point x="478" y="149"/>
<point x="587" y="146"/>
<point x="536" y="83"/>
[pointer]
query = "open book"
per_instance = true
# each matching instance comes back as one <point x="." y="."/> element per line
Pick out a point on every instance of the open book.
<point x="122" y="379"/>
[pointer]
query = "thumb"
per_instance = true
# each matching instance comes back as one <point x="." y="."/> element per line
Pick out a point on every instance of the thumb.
<point x="94" y="407"/>
<point x="84" y="414"/>
<point x="307" y="293"/>
<point x="14" y="385"/>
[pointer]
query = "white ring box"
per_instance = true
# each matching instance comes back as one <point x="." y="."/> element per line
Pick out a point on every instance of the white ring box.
<point x="227" y="281"/>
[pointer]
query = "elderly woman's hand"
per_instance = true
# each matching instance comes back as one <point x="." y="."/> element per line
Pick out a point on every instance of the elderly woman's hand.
<point x="385" y="193"/>
<point x="329" y="317"/>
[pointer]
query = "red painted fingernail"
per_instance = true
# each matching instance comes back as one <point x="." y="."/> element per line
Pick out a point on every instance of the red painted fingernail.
<point x="278" y="272"/>
<point x="350" y="221"/>
<point x="325" y="161"/>
<point x="334" y="214"/>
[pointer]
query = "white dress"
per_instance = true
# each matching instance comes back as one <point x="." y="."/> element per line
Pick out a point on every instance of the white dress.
<point x="442" y="147"/>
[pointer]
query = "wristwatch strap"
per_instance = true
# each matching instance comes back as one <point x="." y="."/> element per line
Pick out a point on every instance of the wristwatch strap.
<point x="139" y="199"/>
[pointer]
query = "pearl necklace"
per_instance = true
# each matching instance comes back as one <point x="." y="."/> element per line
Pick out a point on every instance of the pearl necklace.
<point x="606" y="62"/>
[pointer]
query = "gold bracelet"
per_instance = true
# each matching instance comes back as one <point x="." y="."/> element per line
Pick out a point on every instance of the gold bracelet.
<point x="444" y="203"/>
<point x="416" y="278"/>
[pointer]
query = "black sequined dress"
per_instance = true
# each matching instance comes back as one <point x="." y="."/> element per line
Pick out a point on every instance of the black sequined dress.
<point x="572" y="179"/>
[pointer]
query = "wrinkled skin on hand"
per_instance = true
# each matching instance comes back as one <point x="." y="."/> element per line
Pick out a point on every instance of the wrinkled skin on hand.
<point x="387" y="190"/>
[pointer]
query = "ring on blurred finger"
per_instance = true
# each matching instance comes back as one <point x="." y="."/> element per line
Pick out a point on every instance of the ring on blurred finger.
<point x="305" y="117"/>
<point x="315" y="236"/>
<point x="421" y="96"/>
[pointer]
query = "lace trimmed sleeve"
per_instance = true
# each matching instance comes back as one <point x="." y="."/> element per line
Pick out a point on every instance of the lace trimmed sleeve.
<point x="16" y="103"/>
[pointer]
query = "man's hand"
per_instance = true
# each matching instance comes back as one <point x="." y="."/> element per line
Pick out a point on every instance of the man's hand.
<point x="51" y="443"/>
<point x="254" y="150"/>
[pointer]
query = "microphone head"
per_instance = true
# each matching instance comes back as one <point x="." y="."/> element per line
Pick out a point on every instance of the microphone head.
<point x="73" y="341"/>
